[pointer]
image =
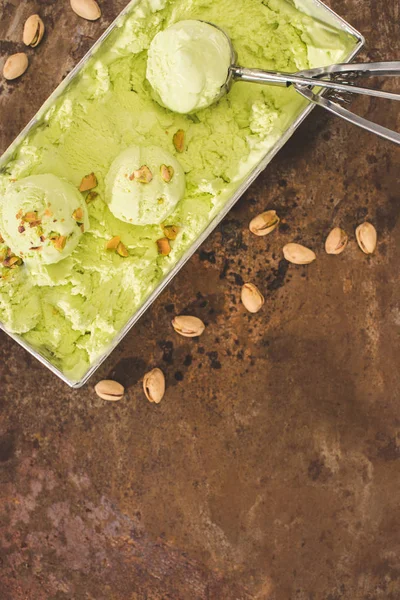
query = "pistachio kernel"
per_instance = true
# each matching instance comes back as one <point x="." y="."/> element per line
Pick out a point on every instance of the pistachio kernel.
<point x="163" y="246"/>
<point x="264" y="223"/>
<point x="167" y="172"/>
<point x="188" y="326"/>
<point x="91" y="196"/>
<point x="109" y="390"/>
<point x="154" y="385"/>
<point x="142" y="175"/>
<point x="122" y="251"/>
<point x="298" y="254"/>
<point x="113" y="243"/>
<point x="59" y="243"/>
<point x="33" y="31"/>
<point x="366" y="237"/>
<point x="336" y="241"/>
<point x="179" y="140"/>
<point x="88" y="182"/>
<point x="170" y="231"/>
<point x="77" y="215"/>
<point x="252" y="298"/>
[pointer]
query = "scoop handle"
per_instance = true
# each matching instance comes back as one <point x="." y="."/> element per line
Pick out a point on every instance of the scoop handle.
<point x="301" y="79"/>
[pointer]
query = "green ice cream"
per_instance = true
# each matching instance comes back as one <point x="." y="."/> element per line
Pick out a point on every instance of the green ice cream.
<point x="144" y="184"/>
<point x="43" y="218"/>
<point x="72" y="310"/>
<point x="187" y="65"/>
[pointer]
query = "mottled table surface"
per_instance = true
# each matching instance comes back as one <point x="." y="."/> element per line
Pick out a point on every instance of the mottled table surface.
<point x="271" y="469"/>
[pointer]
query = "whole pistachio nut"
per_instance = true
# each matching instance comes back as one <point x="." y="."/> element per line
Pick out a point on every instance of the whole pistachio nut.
<point x="87" y="9"/>
<point x="298" y="254"/>
<point x="264" y="223"/>
<point x="188" y="326"/>
<point x="109" y="390"/>
<point x="252" y="298"/>
<point x="336" y="241"/>
<point x="15" y="66"/>
<point x="366" y="237"/>
<point x="33" y="31"/>
<point x="154" y="385"/>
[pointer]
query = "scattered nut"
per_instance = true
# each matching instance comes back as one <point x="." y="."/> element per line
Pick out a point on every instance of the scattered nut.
<point x="33" y="31"/>
<point x="87" y="9"/>
<point x="91" y="196"/>
<point x="170" y="231"/>
<point x="167" y="173"/>
<point x="252" y="298"/>
<point x="142" y="175"/>
<point x="77" y="215"/>
<point x="15" y="66"/>
<point x="188" y="326"/>
<point x="179" y="140"/>
<point x="264" y="223"/>
<point x="12" y="261"/>
<point x="122" y="251"/>
<point x="154" y="385"/>
<point x="88" y="182"/>
<point x="109" y="390"/>
<point x="298" y="254"/>
<point x="366" y="237"/>
<point x="163" y="246"/>
<point x="336" y="241"/>
<point x="113" y="243"/>
<point x="59" y="242"/>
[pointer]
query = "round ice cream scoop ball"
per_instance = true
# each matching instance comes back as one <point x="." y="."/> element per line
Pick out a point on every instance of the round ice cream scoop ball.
<point x="144" y="184"/>
<point x="42" y="218"/>
<point x="187" y="65"/>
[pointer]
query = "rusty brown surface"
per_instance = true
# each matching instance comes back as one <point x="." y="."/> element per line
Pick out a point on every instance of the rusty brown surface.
<point x="271" y="468"/>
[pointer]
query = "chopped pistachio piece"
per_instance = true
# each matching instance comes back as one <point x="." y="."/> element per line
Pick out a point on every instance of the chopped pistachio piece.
<point x="167" y="172"/>
<point x="88" y="182"/>
<point x="163" y="246"/>
<point x="91" y="196"/>
<point x="21" y="229"/>
<point x="12" y="261"/>
<point x="82" y="227"/>
<point x="30" y="217"/>
<point x="78" y="214"/>
<point x="121" y="250"/>
<point x="170" y="231"/>
<point x="179" y="140"/>
<point x="1" y="239"/>
<point x="142" y="175"/>
<point x="59" y="242"/>
<point x="113" y="243"/>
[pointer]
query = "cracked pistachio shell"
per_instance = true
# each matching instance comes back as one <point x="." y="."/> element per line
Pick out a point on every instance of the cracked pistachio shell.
<point x="87" y="9"/>
<point x="188" y="326"/>
<point x="109" y="390"/>
<point x="298" y="254"/>
<point x="336" y="241"/>
<point x="154" y="385"/>
<point x="15" y="65"/>
<point x="252" y="298"/>
<point x="264" y="223"/>
<point x="33" y="31"/>
<point x="366" y="237"/>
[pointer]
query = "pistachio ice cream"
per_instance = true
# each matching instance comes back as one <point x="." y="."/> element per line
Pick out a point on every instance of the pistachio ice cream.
<point x="144" y="184"/>
<point x="70" y="303"/>
<point x="43" y="218"/>
<point x="188" y="64"/>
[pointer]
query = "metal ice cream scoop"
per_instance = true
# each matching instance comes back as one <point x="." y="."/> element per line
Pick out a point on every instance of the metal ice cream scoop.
<point x="339" y="78"/>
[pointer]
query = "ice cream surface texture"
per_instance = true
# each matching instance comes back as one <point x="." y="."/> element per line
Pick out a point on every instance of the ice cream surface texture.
<point x="43" y="218"/>
<point x="144" y="184"/>
<point x="72" y="310"/>
<point x="187" y="65"/>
